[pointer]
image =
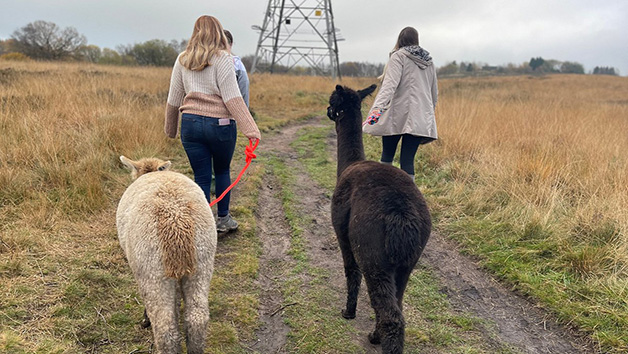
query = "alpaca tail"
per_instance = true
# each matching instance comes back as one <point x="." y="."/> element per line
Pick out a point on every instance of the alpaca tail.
<point x="406" y="237"/>
<point x="176" y="231"/>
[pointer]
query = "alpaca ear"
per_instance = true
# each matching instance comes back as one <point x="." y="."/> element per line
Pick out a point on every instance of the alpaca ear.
<point x="164" y="166"/>
<point x="130" y="164"/>
<point x="367" y="91"/>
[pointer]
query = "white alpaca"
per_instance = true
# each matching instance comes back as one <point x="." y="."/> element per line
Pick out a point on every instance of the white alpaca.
<point x="168" y="234"/>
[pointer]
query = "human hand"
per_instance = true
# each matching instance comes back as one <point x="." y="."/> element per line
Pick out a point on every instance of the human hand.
<point x="253" y="135"/>
<point x="373" y="116"/>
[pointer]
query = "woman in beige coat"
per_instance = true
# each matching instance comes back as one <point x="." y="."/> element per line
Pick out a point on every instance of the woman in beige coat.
<point x="404" y="106"/>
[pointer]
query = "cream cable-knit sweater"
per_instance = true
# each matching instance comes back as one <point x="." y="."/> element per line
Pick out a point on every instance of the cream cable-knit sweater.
<point x="211" y="92"/>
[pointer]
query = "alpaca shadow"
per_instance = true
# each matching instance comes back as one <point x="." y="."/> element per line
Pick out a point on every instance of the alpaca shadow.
<point x="381" y="221"/>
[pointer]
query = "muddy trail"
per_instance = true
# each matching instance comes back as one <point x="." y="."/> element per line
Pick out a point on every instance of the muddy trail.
<point x="510" y="320"/>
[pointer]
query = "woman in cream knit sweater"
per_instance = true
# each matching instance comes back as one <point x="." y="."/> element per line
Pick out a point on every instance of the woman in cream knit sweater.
<point x="204" y="89"/>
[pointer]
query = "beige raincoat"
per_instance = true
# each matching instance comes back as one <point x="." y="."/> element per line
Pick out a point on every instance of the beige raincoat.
<point x="407" y="96"/>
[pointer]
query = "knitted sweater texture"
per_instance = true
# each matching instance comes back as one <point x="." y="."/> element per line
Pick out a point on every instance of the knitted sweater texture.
<point x="211" y="92"/>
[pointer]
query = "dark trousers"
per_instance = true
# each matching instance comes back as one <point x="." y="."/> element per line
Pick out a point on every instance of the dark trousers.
<point x="210" y="146"/>
<point x="409" y="146"/>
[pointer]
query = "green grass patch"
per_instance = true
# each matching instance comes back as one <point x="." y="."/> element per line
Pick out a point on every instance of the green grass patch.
<point x="313" y="151"/>
<point x="563" y="272"/>
<point x="316" y="326"/>
<point x="540" y="266"/>
<point x="289" y="201"/>
<point x="234" y="295"/>
<point x="436" y="324"/>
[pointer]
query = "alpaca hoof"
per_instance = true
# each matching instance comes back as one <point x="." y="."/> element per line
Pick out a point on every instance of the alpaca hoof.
<point x="146" y="321"/>
<point x="374" y="338"/>
<point x="348" y="315"/>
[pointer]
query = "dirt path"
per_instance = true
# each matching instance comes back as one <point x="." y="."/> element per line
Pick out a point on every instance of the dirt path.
<point x="515" y="321"/>
<point x="518" y="322"/>
<point x="275" y="262"/>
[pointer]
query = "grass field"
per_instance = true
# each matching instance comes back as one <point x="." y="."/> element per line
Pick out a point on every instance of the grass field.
<point x="530" y="175"/>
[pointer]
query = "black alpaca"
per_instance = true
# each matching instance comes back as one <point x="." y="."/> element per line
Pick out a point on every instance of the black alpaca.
<point x="381" y="221"/>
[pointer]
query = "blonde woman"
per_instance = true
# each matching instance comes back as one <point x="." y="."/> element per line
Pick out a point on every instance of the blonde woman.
<point x="204" y="89"/>
<point x="404" y="106"/>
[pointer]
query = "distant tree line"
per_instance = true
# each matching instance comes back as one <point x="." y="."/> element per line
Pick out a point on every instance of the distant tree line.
<point x="604" y="70"/>
<point x="360" y="69"/>
<point x="536" y="65"/>
<point x="348" y="69"/>
<point x="41" y="40"/>
<point x="247" y="60"/>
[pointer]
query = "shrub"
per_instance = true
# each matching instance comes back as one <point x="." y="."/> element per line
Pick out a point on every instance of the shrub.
<point x="15" y="57"/>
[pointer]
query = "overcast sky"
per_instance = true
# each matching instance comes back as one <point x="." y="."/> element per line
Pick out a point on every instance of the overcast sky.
<point x="593" y="33"/>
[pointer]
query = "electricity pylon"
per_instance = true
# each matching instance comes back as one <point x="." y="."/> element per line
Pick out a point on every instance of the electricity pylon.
<point x="298" y="32"/>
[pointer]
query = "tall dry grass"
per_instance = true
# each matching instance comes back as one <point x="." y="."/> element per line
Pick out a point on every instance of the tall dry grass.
<point x="531" y="174"/>
<point x="554" y="145"/>
<point x="543" y="155"/>
<point x="63" y="125"/>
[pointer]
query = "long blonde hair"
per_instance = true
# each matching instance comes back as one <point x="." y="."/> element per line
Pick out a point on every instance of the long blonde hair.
<point x="208" y="39"/>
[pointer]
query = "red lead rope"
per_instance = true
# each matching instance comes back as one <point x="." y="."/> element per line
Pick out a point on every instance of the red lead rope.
<point x="249" y="157"/>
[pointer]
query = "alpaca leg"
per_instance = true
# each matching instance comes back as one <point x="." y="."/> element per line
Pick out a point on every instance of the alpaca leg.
<point x="354" y="279"/>
<point x="390" y="325"/>
<point x="393" y="331"/>
<point x="146" y="321"/>
<point x="196" y="317"/>
<point x="375" y="337"/>
<point x="401" y="281"/>
<point x="163" y="311"/>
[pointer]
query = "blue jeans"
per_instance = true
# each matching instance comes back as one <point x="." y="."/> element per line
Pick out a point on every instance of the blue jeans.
<point x="210" y="145"/>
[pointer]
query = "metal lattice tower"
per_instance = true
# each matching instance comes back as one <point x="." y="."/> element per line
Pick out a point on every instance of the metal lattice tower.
<point x="298" y="32"/>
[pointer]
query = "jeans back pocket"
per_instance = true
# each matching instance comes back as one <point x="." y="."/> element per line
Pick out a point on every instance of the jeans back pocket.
<point x="226" y="132"/>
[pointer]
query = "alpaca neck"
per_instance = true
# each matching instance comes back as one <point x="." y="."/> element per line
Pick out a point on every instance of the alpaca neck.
<point x="350" y="146"/>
